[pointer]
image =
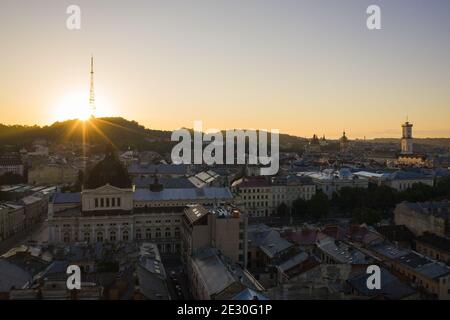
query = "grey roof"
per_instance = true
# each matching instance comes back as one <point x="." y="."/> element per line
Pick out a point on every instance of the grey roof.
<point x="249" y="294"/>
<point x="214" y="272"/>
<point x="30" y="200"/>
<point x="294" y="261"/>
<point x="62" y="198"/>
<point x="342" y="252"/>
<point x="435" y="241"/>
<point x="423" y="265"/>
<point x="391" y="287"/>
<point x="438" y="208"/>
<point x="292" y="180"/>
<point x="207" y="193"/>
<point x="267" y="239"/>
<point x="168" y="183"/>
<point x="389" y="250"/>
<point x="56" y="270"/>
<point x="137" y="168"/>
<point x="11" y="275"/>
<point x="408" y="175"/>
<point x="196" y="212"/>
<point x="153" y="266"/>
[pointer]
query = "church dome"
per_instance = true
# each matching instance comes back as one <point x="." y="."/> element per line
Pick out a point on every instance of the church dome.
<point x="314" y="140"/>
<point x="108" y="171"/>
<point x="343" y="138"/>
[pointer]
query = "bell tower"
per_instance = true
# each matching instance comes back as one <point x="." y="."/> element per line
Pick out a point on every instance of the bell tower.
<point x="407" y="139"/>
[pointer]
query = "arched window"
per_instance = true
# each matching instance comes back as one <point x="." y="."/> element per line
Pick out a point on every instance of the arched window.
<point x="138" y="234"/>
<point x="167" y="233"/>
<point x="125" y="236"/>
<point x="87" y="237"/>
<point x="112" y="236"/>
<point x="158" y="233"/>
<point x="148" y="234"/>
<point x="99" y="236"/>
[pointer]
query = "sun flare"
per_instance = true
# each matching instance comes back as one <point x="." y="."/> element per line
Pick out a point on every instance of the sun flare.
<point x="76" y="106"/>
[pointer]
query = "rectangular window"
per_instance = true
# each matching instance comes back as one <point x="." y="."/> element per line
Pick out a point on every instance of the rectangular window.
<point x="102" y="202"/>
<point x="96" y="202"/>
<point x="107" y="202"/>
<point x="118" y="202"/>
<point x="113" y="200"/>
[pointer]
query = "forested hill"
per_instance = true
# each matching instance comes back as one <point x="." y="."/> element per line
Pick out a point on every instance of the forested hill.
<point x="120" y="132"/>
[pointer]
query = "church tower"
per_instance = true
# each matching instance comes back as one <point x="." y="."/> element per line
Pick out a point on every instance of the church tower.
<point x="343" y="143"/>
<point x="407" y="139"/>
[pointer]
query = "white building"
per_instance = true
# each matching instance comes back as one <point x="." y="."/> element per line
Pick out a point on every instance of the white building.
<point x="399" y="180"/>
<point x="330" y="181"/>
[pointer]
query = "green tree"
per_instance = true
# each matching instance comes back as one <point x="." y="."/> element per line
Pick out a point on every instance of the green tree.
<point x="282" y="210"/>
<point x="299" y="207"/>
<point x="443" y="187"/>
<point x="382" y="197"/>
<point x="319" y="205"/>
<point x="348" y="198"/>
<point x="419" y="192"/>
<point x="366" y="215"/>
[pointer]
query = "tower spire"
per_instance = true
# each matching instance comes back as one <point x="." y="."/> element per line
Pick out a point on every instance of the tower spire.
<point x="92" y="93"/>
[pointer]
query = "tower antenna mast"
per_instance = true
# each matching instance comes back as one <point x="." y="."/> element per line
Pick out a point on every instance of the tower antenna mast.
<point x="92" y="93"/>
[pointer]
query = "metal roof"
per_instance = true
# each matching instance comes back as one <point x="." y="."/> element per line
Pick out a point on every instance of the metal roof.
<point x="209" y="193"/>
<point x="61" y="198"/>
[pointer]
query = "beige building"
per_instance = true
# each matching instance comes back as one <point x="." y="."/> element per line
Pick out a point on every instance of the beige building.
<point x="52" y="174"/>
<point x="224" y="228"/>
<point x="429" y="275"/>
<point x="5" y="222"/>
<point x="253" y="196"/>
<point x="434" y="246"/>
<point x="421" y="217"/>
<point x="287" y="189"/>
<point x="35" y="209"/>
<point x="259" y="197"/>
<point x="12" y="219"/>
<point x="213" y="276"/>
<point x="113" y="214"/>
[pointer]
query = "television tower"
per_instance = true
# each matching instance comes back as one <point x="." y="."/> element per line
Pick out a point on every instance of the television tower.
<point x="92" y="93"/>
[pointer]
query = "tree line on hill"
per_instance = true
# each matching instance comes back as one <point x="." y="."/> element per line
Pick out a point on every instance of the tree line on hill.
<point x="122" y="133"/>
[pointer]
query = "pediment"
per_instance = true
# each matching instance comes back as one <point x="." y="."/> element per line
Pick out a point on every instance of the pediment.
<point x="107" y="189"/>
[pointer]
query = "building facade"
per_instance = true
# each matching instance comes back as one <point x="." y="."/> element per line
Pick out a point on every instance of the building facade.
<point x="421" y="217"/>
<point x="330" y="181"/>
<point x="111" y="214"/>
<point x="224" y="228"/>
<point x="260" y="197"/>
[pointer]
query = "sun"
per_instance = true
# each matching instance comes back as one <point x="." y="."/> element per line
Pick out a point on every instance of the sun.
<point x="75" y="105"/>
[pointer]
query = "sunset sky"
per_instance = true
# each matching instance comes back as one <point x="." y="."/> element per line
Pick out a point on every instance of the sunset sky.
<point x="302" y="67"/>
